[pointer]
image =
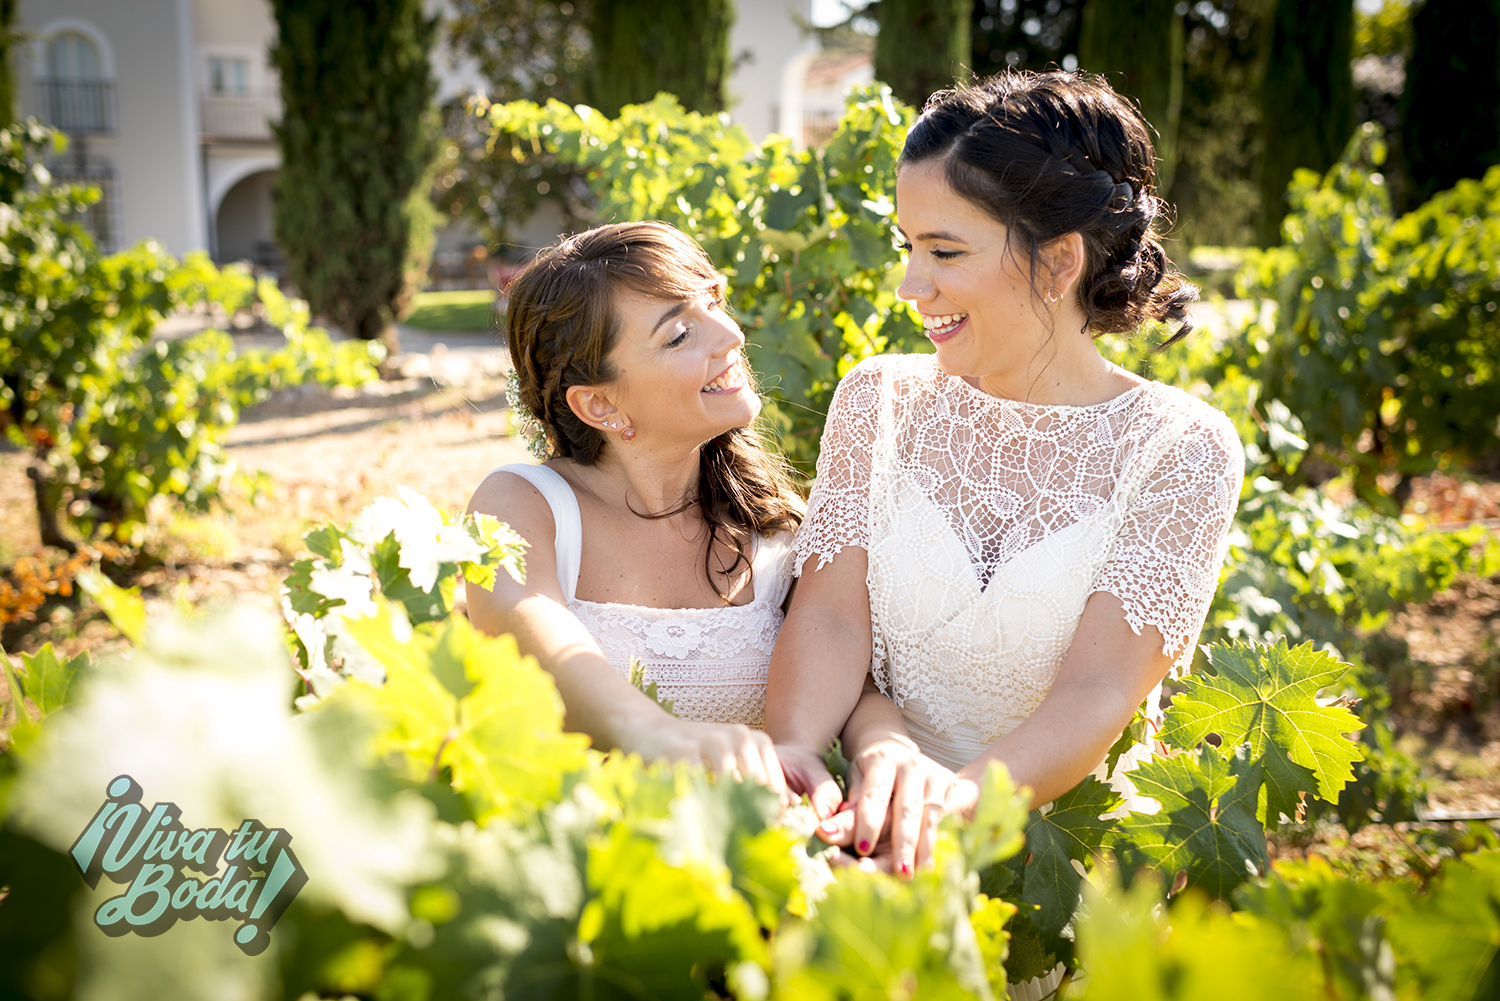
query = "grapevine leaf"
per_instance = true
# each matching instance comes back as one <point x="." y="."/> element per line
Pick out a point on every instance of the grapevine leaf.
<point x="1133" y="734"/>
<point x="507" y="547"/>
<point x="638" y="679"/>
<point x="395" y="582"/>
<point x="125" y="609"/>
<point x="1071" y="831"/>
<point x="479" y="575"/>
<point x="872" y="937"/>
<point x="1266" y="696"/>
<point x="1285" y="780"/>
<point x="502" y="737"/>
<point x="649" y="923"/>
<point x="324" y="541"/>
<point x="24" y="729"/>
<point x="1449" y="937"/>
<point x="995" y="831"/>
<point x="50" y="680"/>
<point x="299" y="590"/>
<point x="1206" y="824"/>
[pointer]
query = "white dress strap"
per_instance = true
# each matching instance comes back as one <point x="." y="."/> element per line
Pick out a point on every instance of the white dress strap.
<point x="564" y="504"/>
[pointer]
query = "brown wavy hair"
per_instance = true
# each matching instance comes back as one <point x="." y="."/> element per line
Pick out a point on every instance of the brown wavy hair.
<point x="1049" y="154"/>
<point x="562" y="326"/>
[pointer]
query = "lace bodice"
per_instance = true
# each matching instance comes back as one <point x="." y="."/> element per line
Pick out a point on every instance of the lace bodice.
<point x="989" y="522"/>
<point x="710" y="662"/>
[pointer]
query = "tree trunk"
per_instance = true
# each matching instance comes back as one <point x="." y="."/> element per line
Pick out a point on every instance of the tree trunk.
<point x="1307" y="99"/>
<point x="643" y="47"/>
<point x="923" y="46"/>
<point x="1138" y="45"/>
<point x="48" y="526"/>
<point x="1450" y="120"/>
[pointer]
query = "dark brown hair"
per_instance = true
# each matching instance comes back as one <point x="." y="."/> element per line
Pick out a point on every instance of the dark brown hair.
<point x="561" y="326"/>
<point x="1049" y="154"/>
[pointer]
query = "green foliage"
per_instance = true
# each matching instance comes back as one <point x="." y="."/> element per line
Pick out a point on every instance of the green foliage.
<point x="1383" y="336"/>
<point x="805" y="237"/>
<point x="532" y="50"/>
<point x="358" y="138"/>
<point x="459" y="844"/>
<point x="922" y="46"/>
<point x="638" y="679"/>
<point x="1450" y="128"/>
<point x="1385" y="31"/>
<point x="1265" y="698"/>
<point x="640" y="48"/>
<point x="1139" y="47"/>
<point x="1307" y="99"/>
<point x="1133" y="948"/>
<point x="109" y="417"/>
<point x="407" y="551"/>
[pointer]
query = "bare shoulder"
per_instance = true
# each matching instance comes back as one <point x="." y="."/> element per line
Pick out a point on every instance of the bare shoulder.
<point x="512" y="498"/>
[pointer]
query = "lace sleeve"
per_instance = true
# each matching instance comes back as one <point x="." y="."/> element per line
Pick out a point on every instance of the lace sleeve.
<point x="838" y="511"/>
<point x="1164" y="565"/>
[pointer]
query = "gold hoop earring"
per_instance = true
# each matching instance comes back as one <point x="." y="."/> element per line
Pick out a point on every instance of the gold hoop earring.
<point x="1053" y="296"/>
<point x="628" y="434"/>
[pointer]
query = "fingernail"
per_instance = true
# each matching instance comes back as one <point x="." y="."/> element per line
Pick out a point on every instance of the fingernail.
<point x="829" y="827"/>
<point x="864" y="848"/>
<point x="906" y="868"/>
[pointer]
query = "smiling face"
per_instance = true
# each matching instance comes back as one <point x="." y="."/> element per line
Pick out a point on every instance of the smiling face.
<point x="971" y="285"/>
<point x="682" y="378"/>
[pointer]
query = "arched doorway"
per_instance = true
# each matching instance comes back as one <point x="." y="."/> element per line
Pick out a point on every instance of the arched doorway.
<point x="242" y="226"/>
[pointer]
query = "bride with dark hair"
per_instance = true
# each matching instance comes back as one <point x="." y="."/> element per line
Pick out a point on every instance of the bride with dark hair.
<point x="1013" y="539"/>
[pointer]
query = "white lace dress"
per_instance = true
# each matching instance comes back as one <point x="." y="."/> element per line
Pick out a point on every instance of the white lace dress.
<point x="989" y="522"/>
<point x="710" y="662"/>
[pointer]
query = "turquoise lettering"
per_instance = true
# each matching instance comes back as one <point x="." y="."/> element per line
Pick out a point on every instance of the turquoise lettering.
<point x="152" y="880"/>
<point x="211" y="896"/>
<point x="239" y="898"/>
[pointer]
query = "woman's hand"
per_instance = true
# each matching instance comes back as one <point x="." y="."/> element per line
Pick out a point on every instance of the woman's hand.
<point x="808" y="775"/>
<point x="726" y="749"/>
<point x="897" y="796"/>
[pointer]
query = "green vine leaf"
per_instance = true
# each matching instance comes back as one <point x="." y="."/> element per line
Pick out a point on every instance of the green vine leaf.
<point x="1266" y="696"/>
<point x="1206" y="825"/>
<point x="1071" y="831"/>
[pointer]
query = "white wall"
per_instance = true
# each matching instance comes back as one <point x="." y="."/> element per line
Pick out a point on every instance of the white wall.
<point x="155" y="151"/>
<point x="767" y="29"/>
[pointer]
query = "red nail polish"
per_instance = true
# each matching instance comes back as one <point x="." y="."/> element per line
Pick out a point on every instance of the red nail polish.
<point x="864" y="848"/>
<point x="906" y="868"/>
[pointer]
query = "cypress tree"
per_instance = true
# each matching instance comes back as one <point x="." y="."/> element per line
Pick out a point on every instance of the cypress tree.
<point x="642" y="47"/>
<point x="358" y="136"/>
<point x="1450" y="121"/>
<point x="922" y="46"/>
<point x="1138" y="45"/>
<point x="1306" y="99"/>
<point x="7" y="74"/>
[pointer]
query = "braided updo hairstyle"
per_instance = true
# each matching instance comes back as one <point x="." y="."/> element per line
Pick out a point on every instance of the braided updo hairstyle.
<point x="1049" y="154"/>
<point x="561" y="326"/>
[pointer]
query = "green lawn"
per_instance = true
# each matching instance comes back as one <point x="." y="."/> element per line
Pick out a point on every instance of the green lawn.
<point x="469" y="310"/>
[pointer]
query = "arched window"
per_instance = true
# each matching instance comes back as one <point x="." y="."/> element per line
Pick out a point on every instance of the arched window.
<point x="76" y="96"/>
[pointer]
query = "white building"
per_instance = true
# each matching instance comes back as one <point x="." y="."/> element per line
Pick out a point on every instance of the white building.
<point x="168" y="105"/>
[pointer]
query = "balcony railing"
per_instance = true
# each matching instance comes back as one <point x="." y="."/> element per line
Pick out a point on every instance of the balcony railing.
<point x="78" y="107"/>
<point x="243" y="117"/>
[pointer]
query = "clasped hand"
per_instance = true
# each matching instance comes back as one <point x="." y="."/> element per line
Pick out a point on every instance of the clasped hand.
<point x="896" y="798"/>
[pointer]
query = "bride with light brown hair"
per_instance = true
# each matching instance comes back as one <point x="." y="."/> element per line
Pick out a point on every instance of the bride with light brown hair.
<point x="659" y="525"/>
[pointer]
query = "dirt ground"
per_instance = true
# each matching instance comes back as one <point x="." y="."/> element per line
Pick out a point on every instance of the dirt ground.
<point x="442" y="426"/>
